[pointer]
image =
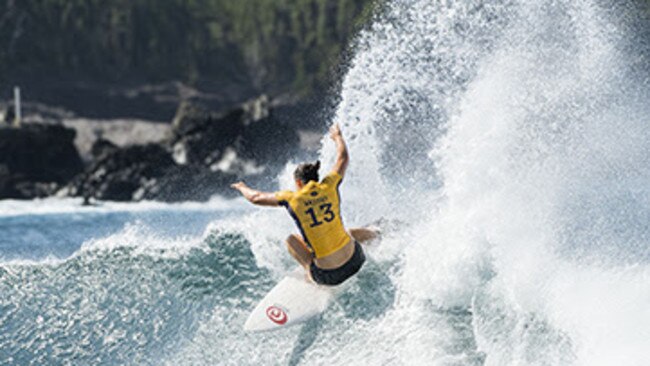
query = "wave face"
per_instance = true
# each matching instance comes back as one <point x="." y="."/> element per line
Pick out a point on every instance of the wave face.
<point x="506" y="140"/>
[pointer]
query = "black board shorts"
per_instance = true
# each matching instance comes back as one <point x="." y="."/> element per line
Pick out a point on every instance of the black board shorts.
<point x="336" y="276"/>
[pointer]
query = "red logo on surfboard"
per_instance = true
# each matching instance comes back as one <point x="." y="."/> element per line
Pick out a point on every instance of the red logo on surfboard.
<point x="277" y="315"/>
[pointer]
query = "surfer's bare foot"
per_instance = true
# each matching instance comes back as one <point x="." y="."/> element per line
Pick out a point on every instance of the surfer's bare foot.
<point x="308" y="277"/>
<point x="364" y="234"/>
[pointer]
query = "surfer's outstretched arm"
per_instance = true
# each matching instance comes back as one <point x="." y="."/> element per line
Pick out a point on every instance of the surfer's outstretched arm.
<point x="342" y="155"/>
<point x="255" y="196"/>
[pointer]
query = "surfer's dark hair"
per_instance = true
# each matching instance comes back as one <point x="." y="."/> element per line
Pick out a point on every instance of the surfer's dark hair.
<point x="306" y="172"/>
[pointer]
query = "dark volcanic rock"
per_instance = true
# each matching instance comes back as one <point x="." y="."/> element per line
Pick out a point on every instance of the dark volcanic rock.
<point x="102" y="147"/>
<point x="249" y="133"/>
<point x="35" y="159"/>
<point x="189" y="117"/>
<point x="7" y="184"/>
<point x="200" y="137"/>
<point x="119" y="173"/>
<point x="210" y="151"/>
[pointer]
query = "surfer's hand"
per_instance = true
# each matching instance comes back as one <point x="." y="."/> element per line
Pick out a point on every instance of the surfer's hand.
<point x="238" y="186"/>
<point x="335" y="131"/>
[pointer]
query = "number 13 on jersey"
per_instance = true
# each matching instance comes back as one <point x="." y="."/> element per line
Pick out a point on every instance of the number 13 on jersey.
<point x="325" y="211"/>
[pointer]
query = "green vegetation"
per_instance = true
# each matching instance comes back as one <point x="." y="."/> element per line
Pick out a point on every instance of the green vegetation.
<point x="272" y="45"/>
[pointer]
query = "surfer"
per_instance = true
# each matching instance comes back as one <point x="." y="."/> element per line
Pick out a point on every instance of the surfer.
<point x="328" y="253"/>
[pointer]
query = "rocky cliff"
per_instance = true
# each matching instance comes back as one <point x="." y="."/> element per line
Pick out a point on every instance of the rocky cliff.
<point x="36" y="159"/>
<point x="205" y="152"/>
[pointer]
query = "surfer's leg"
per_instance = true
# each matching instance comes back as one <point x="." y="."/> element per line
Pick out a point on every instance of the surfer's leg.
<point x="299" y="251"/>
<point x="364" y="234"/>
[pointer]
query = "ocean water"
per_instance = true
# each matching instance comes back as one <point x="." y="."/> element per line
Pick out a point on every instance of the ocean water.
<point x="507" y="141"/>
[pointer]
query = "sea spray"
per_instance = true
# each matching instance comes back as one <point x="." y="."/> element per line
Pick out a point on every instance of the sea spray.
<point x="551" y="124"/>
<point x="541" y="168"/>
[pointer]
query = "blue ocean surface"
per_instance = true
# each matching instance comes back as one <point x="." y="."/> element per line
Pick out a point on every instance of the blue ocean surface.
<point x="142" y="283"/>
<point x="56" y="229"/>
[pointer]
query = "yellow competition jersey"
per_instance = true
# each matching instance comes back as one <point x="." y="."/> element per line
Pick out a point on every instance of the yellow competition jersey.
<point x="316" y="210"/>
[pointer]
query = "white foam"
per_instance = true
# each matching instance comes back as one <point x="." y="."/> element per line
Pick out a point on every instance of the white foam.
<point x="537" y="129"/>
<point x="55" y="205"/>
<point x="143" y="240"/>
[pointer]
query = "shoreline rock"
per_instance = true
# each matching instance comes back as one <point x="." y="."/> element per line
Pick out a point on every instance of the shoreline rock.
<point x="193" y="158"/>
<point x="121" y="132"/>
<point x="36" y="159"/>
<point x="204" y="152"/>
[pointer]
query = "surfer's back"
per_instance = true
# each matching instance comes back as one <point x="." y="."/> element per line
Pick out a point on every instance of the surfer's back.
<point x="316" y="210"/>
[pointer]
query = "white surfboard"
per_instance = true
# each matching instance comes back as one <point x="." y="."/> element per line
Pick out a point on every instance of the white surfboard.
<point x="293" y="300"/>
